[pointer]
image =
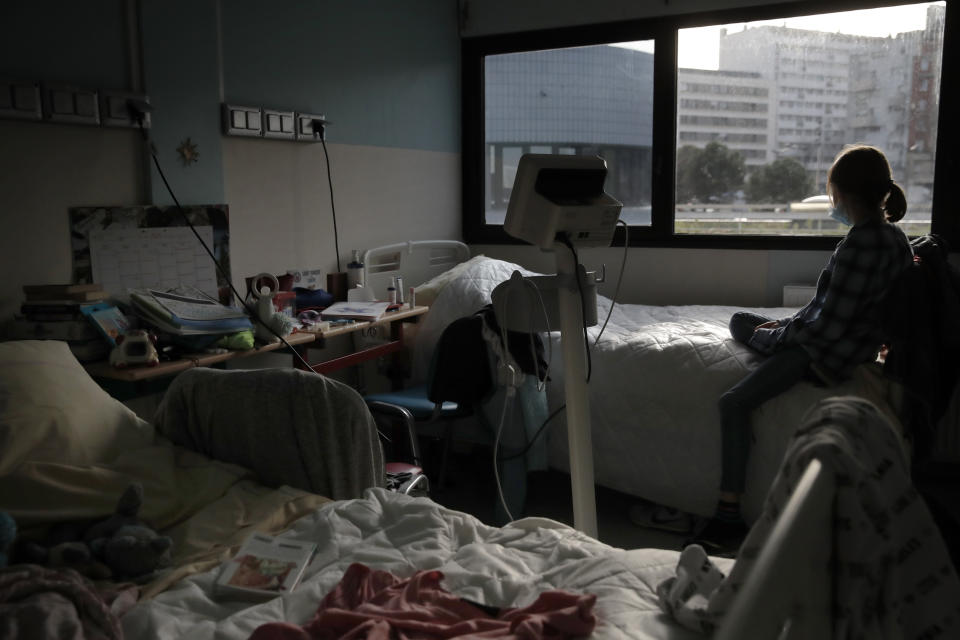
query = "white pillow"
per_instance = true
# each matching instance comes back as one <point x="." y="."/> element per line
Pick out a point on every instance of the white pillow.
<point x="428" y="291"/>
<point x="51" y="410"/>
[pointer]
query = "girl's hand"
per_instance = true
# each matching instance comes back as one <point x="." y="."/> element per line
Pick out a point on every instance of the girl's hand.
<point x="773" y="324"/>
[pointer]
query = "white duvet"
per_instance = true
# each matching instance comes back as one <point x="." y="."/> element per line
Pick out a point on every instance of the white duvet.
<point x="657" y="373"/>
<point x="506" y="566"/>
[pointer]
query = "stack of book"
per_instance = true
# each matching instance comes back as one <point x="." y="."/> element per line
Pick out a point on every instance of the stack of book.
<point x="190" y="313"/>
<point x="64" y="312"/>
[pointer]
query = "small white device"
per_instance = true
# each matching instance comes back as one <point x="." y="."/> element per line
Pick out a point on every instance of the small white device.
<point x="135" y="347"/>
<point x="561" y="194"/>
<point x="558" y="200"/>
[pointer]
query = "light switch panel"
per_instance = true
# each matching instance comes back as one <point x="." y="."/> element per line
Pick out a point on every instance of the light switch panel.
<point x="242" y="121"/>
<point x="61" y="102"/>
<point x="67" y="103"/>
<point x="114" y="111"/>
<point x="304" y="126"/>
<point x="273" y="124"/>
<point x="20" y="99"/>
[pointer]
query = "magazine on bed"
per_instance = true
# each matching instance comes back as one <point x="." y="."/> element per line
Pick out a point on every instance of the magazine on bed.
<point x="264" y="567"/>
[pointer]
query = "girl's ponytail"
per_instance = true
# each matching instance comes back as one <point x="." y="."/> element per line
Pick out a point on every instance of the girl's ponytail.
<point x="895" y="206"/>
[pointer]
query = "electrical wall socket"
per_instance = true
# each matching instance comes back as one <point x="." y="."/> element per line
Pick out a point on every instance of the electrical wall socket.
<point x="278" y="124"/>
<point x="20" y="99"/>
<point x="242" y="121"/>
<point x="270" y="123"/>
<point x="67" y="103"/>
<point x="305" y="127"/>
<point x="114" y="111"/>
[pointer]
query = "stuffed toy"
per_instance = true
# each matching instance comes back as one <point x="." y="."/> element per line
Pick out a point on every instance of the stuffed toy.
<point x="120" y="547"/>
<point x="124" y="542"/>
<point x="128" y="506"/>
<point x="77" y="556"/>
<point x="133" y="552"/>
<point x="60" y="548"/>
<point x="8" y="531"/>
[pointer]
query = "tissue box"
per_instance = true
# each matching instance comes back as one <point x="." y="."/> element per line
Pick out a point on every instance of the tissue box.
<point x="309" y="279"/>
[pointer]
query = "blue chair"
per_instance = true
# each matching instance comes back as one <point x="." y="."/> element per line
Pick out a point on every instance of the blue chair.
<point x="449" y="393"/>
<point x="409" y="407"/>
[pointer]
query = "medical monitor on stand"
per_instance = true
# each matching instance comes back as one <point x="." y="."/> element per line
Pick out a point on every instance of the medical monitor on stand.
<point x="558" y="204"/>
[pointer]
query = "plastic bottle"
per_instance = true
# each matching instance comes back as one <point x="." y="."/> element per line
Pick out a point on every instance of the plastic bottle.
<point x="355" y="271"/>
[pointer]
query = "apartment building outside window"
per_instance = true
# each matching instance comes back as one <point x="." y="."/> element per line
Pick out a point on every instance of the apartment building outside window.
<point x="776" y="100"/>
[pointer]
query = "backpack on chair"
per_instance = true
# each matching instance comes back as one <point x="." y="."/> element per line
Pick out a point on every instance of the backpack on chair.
<point x="920" y="316"/>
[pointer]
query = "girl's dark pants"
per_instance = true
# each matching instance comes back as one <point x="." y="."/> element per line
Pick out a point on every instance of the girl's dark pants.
<point x="780" y="371"/>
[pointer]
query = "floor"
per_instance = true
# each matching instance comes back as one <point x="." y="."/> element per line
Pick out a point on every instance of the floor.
<point x="470" y="487"/>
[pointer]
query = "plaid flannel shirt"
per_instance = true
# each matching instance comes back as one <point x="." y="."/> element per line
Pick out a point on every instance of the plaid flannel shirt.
<point x="840" y="326"/>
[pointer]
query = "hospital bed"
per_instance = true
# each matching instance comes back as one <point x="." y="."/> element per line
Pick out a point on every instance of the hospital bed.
<point x="203" y="501"/>
<point x="657" y="373"/>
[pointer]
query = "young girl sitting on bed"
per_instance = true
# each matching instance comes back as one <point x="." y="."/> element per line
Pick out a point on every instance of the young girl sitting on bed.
<point x="836" y="331"/>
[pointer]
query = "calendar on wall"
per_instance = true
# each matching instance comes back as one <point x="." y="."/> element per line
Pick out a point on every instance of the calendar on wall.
<point x="138" y="247"/>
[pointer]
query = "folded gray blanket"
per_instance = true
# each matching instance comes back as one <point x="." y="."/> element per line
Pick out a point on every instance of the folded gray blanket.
<point x="289" y="427"/>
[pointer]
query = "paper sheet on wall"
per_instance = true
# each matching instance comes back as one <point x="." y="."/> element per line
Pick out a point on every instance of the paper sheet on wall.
<point x="156" y="258"/>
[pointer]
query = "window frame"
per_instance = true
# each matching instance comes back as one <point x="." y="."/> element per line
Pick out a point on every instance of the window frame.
<point x="663" y="30"/>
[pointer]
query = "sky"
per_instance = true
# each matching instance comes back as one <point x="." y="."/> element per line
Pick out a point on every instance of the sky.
<point x="698" y="48"/>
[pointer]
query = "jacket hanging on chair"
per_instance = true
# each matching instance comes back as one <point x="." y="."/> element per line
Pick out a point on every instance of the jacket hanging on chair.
<point x="460" y="370"/>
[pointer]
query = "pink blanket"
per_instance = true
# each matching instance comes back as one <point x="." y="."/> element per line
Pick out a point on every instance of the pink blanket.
<point x="376" y="605"/>
<point x="60" y="604"/>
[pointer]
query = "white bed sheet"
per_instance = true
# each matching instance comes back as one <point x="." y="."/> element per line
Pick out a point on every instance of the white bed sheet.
<point x="506" y="566"/>
<point x="657" y="374"/>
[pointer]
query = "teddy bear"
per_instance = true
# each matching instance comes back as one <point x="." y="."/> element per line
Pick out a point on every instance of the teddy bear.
<point x="60" y="547"/>
<point x="119" y="547"/>
<point x="125" y="543"/>
<point x="76" y="555"/>
<point x="133" y="552"/>
<point x="126" y="513"/>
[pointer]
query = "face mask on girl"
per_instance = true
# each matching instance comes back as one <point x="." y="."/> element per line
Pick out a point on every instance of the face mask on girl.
<point x="839" y="214"/>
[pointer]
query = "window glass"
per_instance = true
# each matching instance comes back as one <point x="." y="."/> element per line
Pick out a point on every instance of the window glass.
<point x="595" y="100"/>
<point x="764" y="107"/>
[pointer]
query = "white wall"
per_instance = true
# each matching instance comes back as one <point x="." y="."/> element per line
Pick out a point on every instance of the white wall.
<point x="44" y="170"/>
<point x="280" y="215"/>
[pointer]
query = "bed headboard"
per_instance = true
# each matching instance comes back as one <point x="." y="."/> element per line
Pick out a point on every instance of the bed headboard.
<point x="416" y="261"/>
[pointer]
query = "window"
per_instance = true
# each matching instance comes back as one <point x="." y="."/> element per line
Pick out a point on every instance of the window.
<point x="769" y="102"/>
<point x="767" y="198"/>
<point x="580" y="100"/>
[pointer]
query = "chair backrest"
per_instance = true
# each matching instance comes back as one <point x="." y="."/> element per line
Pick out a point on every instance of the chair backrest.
<point x="789" y="593"/>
